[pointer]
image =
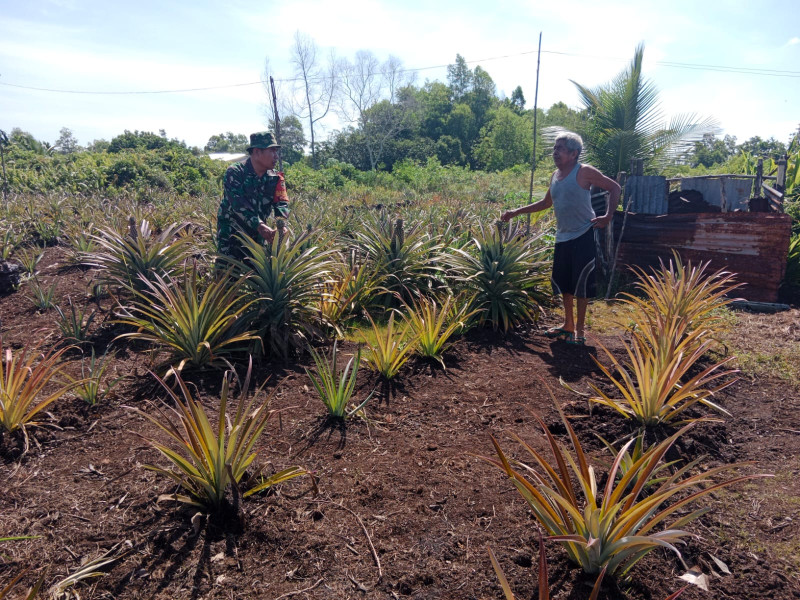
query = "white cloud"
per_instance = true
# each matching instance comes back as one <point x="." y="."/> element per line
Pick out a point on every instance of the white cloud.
<point x="794" y="41"/>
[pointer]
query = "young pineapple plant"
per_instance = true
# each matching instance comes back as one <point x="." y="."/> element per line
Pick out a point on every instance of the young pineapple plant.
<point x="613" y="528"/>
<point x="286" y="278"/>
<point x="688" y="294"/>
<point x="94" y="387"/>
<point x="347" y="291"/>
<point x="196" y="328"/>
<point x="506" y="276"/>
<point x="434" y="324"/>
<point x="212" y="461"/>
<point x="390" y="347"/>
<point x="24" y="377"/>
<point x="674" y="321"/>
<point x="131" y="259"/>
<point x="74" y="324"/>
<point x="406" y="259"/>
<point x="334" y="389"/>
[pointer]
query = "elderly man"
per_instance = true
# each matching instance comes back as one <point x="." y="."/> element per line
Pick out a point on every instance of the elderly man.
<point x="574" y="257"/>
<point x="253" y="193"/>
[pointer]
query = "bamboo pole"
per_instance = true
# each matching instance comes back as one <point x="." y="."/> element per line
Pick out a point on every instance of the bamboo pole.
<point x="535" y="114"/>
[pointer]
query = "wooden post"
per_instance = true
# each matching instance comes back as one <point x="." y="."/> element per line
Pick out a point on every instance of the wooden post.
<point x="533" y="158"/>
<point x="780" y="183"/>
<point x="277" y="122"/>
<point x="614" y="252"/>
<point x="3" y="144"/>
<point x="759" y="177"/>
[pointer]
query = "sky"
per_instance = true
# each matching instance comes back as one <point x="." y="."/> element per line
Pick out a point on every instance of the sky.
<point x="112" y="66"/>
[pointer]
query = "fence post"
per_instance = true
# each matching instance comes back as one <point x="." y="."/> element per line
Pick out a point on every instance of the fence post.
<point x="780" y="184"/>
<point x="759" y="177"/>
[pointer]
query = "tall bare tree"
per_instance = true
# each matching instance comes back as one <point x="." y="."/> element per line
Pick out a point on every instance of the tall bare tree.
<point x="315" y="85"/>
<point x="369" y="99"/>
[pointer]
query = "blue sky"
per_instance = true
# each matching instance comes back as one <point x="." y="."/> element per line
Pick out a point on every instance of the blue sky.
<point x="149" y="46"/>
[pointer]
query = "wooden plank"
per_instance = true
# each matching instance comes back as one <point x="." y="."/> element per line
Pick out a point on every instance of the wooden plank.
<point x="736" y="175"/>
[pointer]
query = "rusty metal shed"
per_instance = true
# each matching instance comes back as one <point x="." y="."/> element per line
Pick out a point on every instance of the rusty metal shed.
<point x="752" y="245"/>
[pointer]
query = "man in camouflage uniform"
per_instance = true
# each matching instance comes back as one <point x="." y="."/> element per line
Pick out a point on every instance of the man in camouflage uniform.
<point x="253" y="193"/>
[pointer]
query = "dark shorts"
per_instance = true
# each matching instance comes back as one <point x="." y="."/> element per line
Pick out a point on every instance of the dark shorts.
<point x="573" y="267"/>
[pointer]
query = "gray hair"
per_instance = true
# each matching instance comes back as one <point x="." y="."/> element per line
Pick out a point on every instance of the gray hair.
<point x="571" y="140"/>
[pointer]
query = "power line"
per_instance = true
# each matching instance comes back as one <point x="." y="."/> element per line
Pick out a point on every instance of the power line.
<point x="671" y="64"/>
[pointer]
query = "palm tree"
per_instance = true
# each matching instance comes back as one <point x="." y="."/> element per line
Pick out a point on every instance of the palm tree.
<point x="625" y="122"/>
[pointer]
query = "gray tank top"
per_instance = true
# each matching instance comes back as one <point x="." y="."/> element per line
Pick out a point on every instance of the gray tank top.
<point x="572" y="205"/>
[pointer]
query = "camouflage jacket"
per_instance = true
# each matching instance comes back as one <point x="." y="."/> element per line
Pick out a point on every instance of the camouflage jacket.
<point x="248" y="201"/>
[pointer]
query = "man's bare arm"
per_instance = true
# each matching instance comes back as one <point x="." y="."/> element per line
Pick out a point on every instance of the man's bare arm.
<point x="543" y="204"/>
<point x="589" y="176"/>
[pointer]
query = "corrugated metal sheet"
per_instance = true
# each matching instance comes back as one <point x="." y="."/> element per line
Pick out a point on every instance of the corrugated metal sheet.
<point x="751" y="245"/>
<point x="647" y="194"/>
<point x="737" y="191"/>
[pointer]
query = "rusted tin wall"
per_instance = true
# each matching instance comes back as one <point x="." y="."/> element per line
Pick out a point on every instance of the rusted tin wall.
<point x="647" y="194"/>
<point x="737" y="191"/>
<point x="752" y="245"/>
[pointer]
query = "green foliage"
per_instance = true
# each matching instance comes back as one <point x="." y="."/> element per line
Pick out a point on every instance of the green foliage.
<point x="142" y="140"/>
<point x="336" y="390"/>
<point x="711" y="151"/>
<point x="90" y="387"/>
<point x="792" y="277"/>
<point x="227" y="142"/>
<point x="74" y="325"/>
<point x="30" y="258"/>
<point x="504" y="141"/>
<point x="42" y="298"/>
<point x="391" y="348"/>
<point x="505" y="275"/>
<point x="625" y="123"/>
<point x="197" y="328"/>
<point x="211" y="459"/>
<point x="8" y="241"/>
<point x="136" y="164"/>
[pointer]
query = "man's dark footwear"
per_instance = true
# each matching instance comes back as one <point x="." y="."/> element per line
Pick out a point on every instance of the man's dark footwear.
<point x="576" y="340"/>
<point x="558" y="333"/>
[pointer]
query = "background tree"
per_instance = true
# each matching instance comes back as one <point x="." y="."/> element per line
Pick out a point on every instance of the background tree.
<point x="625" y="122"/>
<point x="227" y="142"/>
<point x="459" y="78"/>
<point x="767" y="148"/>
<point x="293" y="139"/>
<point x="505" y="140"/>
<point x="316" y="86"/>
<point x="66" y="142"/>
<point x="26" y="141"/>
<point x="100" y="145"/>
<point x="369" y="89"/>
<point x="143" y="140"/>
<point x="712" y="151"/>
<point x="517" y="100"/>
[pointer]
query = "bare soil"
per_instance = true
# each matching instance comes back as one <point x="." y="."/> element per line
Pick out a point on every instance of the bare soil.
<point x="400" y="506"/>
